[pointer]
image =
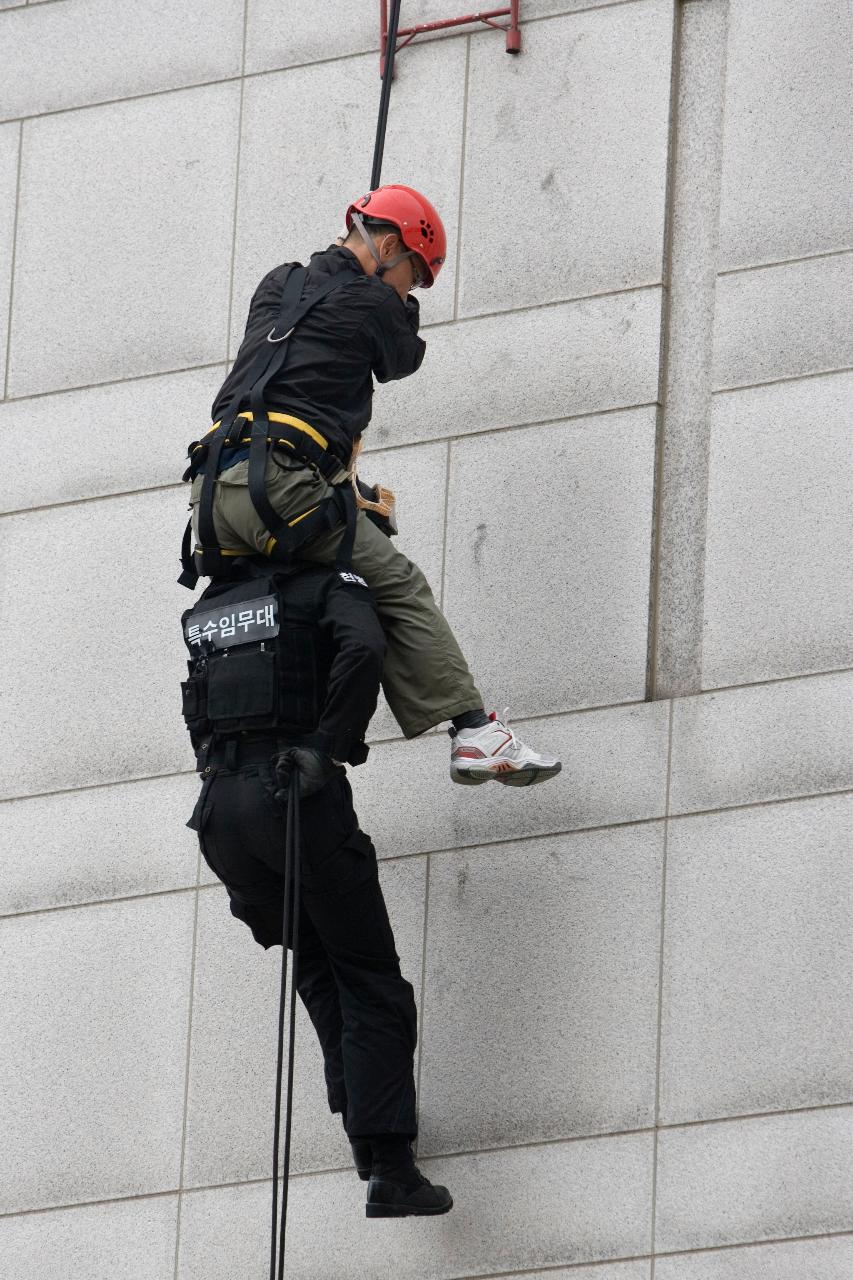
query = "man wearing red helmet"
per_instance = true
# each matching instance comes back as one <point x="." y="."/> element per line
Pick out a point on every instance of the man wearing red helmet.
<point x="364" y="326"/>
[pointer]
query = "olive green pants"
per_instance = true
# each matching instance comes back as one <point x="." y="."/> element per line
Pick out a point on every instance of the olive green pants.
<point x="426" y="679"/>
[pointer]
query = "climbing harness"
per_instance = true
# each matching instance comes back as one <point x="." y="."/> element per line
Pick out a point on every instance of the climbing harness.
<point x="266" y="429"/>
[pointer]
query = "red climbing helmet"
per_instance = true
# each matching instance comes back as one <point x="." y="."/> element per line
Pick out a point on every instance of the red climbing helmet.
<point x="420" y="227"/>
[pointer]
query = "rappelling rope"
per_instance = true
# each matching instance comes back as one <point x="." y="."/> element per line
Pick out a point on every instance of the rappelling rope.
<point x="385" y="96"/>
<point x="291" y="888"/>
<point x="292" y="839"/>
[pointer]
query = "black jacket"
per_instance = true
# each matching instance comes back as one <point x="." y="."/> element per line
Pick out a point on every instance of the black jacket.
<point x="351" y="636"/>
<point x="360" y="330"/>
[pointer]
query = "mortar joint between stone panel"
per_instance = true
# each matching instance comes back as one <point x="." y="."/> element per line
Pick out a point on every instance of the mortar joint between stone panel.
<point x="653" y="619"/>
<point x="840" y="251"/>
<point x="444" y="529"/>
<point x="13" y="263"/>
<point x="232" y="272"/>
<point x="463" y="155"/>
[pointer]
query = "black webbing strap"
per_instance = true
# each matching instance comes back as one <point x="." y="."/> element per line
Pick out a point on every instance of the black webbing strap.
<point x="189" y="573"/>
<point x="349" y="511"/>
<point x="291" y="889"/>
<point x="272" y="348"/>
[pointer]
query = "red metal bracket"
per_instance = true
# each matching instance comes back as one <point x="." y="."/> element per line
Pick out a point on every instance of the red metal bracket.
<point x="407" y="34"/>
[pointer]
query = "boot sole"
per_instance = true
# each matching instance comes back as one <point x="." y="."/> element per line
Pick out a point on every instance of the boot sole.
<point x="404" y="1210"/>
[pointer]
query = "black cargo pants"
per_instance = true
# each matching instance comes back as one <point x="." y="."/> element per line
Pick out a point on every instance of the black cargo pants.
<point x="348" y="975"/>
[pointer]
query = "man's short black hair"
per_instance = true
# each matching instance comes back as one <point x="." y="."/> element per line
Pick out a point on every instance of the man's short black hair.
<point x="374" y="227"/>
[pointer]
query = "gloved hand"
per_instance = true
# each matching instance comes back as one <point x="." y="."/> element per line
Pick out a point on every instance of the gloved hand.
<point x="315" y="769"/>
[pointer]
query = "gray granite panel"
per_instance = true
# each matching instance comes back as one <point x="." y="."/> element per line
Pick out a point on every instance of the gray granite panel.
<point x="534" y="1207"/>
<point x="127" y="210"/>
<point x="779" y="548"/>
<point x="532" y="366"/>
<point x="781" y="322"/>
<point x="589" y="172"/>
<point x="104" y="842"/>
<point x="90" y="639"/>
<point x="67" y="55"/>
<point x="773" y="741"/>
<point x="826" y="1259"/>
<point x="548" y="550"/>
<point x="9" y="141"/>
<point x="751" y="1180"/>
<point x="142" y="430"/>
<point x="131" y="1238"/>
<point x="235" y="1011"/>
<point x="614" y="770"/>
<point x="758" y="961"/>
<point x="293" y="196"/>
<point x="93" y="1057"/>
<point x="541" y="991"/>
<point x="787" y="173"/>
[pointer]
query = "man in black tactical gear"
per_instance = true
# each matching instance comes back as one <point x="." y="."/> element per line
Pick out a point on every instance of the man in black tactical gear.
<point x="284" y="672"/>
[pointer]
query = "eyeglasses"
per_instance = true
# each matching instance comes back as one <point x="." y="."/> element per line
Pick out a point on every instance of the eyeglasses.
<point x="417" y="272"/>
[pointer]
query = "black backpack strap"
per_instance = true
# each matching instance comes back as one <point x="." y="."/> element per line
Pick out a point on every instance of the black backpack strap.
<point x="189" y="576"/>
<point x="349" y="512"/>
<point x="272" y="348"/>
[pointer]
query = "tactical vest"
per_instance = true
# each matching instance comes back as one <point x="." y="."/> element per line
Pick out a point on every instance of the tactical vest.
<point x="258" y="660"/>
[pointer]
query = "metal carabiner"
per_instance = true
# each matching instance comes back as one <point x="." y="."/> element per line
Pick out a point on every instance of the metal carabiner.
<point x="270" y="337"/>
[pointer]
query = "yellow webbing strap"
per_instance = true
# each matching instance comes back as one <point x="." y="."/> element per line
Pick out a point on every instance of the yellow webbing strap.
<point x="288" y="420"/>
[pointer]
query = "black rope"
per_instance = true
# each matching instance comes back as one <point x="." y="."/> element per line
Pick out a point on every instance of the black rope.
<point x="291" y="882"/>
<point x="385" y="97"/>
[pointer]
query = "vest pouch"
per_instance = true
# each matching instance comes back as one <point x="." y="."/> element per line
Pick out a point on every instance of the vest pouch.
<point x="241" y="686"/>
<point x="194" y="697"/>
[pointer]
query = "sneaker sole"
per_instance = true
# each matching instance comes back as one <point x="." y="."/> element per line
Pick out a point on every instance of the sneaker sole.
<point x="404" y="1211"/>
<point x="524" y="777"/>
<point x="530" y="776"/>
<point x="469" y="780"/>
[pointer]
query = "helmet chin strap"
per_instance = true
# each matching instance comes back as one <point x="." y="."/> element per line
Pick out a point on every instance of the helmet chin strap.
<point x="381" y="267"/>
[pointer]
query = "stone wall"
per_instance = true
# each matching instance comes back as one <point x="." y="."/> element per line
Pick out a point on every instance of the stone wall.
<point x="626" y="469"/>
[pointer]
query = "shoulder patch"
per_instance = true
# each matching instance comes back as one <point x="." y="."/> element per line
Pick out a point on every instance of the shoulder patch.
<point x="352" y="578"/>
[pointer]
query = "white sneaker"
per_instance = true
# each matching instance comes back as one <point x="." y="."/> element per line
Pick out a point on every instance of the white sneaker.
<point x="493" y="751"/>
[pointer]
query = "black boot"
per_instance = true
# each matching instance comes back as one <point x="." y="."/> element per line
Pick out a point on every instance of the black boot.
<point x="362" y="1154"/>
<point x="397" y="1188"/>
